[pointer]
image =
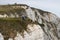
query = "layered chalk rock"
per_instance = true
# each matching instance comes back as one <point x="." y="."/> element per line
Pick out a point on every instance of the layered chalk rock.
<point x="22" y="22"/>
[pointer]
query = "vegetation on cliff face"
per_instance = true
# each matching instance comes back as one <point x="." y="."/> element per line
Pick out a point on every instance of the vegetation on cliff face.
<point x="9" y="27"/>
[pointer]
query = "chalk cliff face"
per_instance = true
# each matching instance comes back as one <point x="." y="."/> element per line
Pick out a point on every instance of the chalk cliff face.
<point x="22" y="22"/>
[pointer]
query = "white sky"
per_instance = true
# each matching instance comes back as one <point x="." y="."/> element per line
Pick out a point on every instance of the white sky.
<point x="48" y="5"/>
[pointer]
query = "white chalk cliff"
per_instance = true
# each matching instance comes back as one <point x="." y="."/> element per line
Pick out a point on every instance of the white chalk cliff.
<point x="44" y="26"/>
